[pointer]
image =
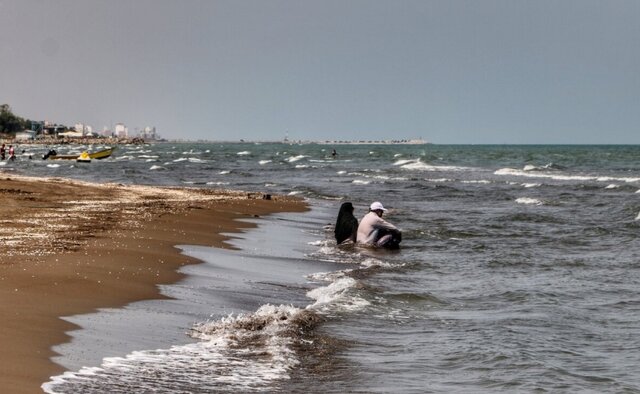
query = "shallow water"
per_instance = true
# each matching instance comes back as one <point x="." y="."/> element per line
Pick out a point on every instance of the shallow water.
<point x="519" y="271"/>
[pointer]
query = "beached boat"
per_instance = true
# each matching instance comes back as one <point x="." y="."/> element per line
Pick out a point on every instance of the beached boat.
<point x="101" y="154"/>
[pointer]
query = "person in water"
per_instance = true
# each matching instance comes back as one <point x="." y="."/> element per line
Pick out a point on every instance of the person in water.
<point x="346" y="224"/>
<point x="374" y="230"/>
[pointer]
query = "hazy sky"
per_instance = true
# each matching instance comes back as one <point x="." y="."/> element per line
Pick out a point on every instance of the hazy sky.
<point x="448" y="71"/>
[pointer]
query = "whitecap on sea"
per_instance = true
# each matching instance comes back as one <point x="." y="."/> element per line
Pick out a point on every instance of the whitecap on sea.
<point x="528" y="201"/>
<point x="295" y="158"/>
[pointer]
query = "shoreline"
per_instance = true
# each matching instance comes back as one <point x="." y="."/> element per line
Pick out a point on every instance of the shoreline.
<point x="73" y="247"/>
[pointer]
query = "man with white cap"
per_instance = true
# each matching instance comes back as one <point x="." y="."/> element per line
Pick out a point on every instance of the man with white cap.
<point x="374" y="230"/>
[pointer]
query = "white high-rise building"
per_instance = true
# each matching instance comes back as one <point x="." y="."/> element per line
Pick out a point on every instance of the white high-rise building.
<point x="121" y="131"/>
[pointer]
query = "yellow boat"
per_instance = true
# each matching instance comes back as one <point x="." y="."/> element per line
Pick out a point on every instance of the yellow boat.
<point x="84" y="158"/>
<point x="101" y="154"/>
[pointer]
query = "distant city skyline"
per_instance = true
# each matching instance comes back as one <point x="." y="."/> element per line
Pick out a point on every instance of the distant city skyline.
<point x="487" y="71"/>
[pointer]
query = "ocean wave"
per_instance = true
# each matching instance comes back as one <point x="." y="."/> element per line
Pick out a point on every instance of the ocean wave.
<point x="246" y="352"/>
<point x="563" y="177"/>
<point x="530" y="185"/>
<point x="263" y="162"/>
<point x="549" y="166"/>
<point x="337" y="295"/>
<point x="360" y="182"/>
<point x="243" y="153"/>
<point x="293" y="159"/>
<point x="418" y="165"/>
<point x="638" y="217"/>
<point x="154" y="167"/>
<point x="612" y="186"/>
<point x="48" y="165"/>
<point x="479" y="181"/>
<point x="529" y="201"/>
<point x="224" y="172"/>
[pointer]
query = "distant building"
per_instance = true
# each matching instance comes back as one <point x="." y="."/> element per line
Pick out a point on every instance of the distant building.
<point x="121" y="131"/>
<point x="83" y="128"/>
<point x="148" y="133"/>
<point x="25" y="135"/>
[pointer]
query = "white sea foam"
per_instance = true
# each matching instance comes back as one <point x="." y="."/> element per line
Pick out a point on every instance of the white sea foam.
<point x="638" y="217"/>
<point x="195" y="160"/>
<point x="155" y="167"/>
<point x="336" y="295"/>
<point x="150" y="160"/>
<point x="397" y="155"/>
<point x="243" y="153"/>
<point x="638" y="191"/>
<point x="360" y="182"/>
<point x="439" y="180"/>
<point x="341" y="172"/>
<point x="295" y="192"/>
<point x="50" y="165"/>
<point x="528" y="201"/>
<point x="217" y="183"/>
<point x="563" y="177"/>
<point x="148" y="157"/>
<point x="479" y="181"/>
<point x="612" y="186"/>
<point x="529" y="185"/>
<point x="318" y="243"/>
<point x="293" y="159"/>
<point x="237" y="353"/>
<point x="224" y="172"/>
<point x="263" y="162"/>
<point x="301" y="166"/>
<point x="180" y="159"/>
<point x="418" y="165"/>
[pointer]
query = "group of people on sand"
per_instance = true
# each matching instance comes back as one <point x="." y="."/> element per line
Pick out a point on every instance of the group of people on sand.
<point x="3" y="152"/>
<point x="372" y="230"/>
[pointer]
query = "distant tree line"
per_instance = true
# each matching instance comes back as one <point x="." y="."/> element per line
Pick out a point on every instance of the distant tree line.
<point x="11" y="123"/>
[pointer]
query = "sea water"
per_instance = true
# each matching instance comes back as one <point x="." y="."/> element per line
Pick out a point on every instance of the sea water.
<point x="519" y="271"/>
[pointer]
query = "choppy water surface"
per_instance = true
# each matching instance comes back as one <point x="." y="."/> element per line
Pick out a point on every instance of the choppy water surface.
<point x="519" y="271"/>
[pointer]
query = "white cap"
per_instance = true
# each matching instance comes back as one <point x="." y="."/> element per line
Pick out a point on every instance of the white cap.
<point x="377" y="206"/>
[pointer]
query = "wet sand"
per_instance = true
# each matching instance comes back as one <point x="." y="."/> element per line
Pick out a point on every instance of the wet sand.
<point x="70" y="247"/>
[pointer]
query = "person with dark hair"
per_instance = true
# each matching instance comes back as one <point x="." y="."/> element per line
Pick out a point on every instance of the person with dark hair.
<point x="375" y="231"/>
<point x="346" y="224"/>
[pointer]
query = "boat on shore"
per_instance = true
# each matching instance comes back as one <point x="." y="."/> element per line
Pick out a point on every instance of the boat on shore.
<point x="98" y="155"/>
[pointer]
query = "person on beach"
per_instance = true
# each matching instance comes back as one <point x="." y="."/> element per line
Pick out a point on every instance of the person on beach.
<point x="334" y="154"/>
<point x="12" y="153"/>
<point x="2" y="152"/>
<point x="346" y="224"/>
<point x="375" y="231"/>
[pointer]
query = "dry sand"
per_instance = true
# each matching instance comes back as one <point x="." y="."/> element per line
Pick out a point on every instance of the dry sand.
<point x="69" y="247"/>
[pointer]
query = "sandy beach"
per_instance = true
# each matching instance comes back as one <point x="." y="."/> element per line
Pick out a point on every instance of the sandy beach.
<point x="70" y="247"/>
